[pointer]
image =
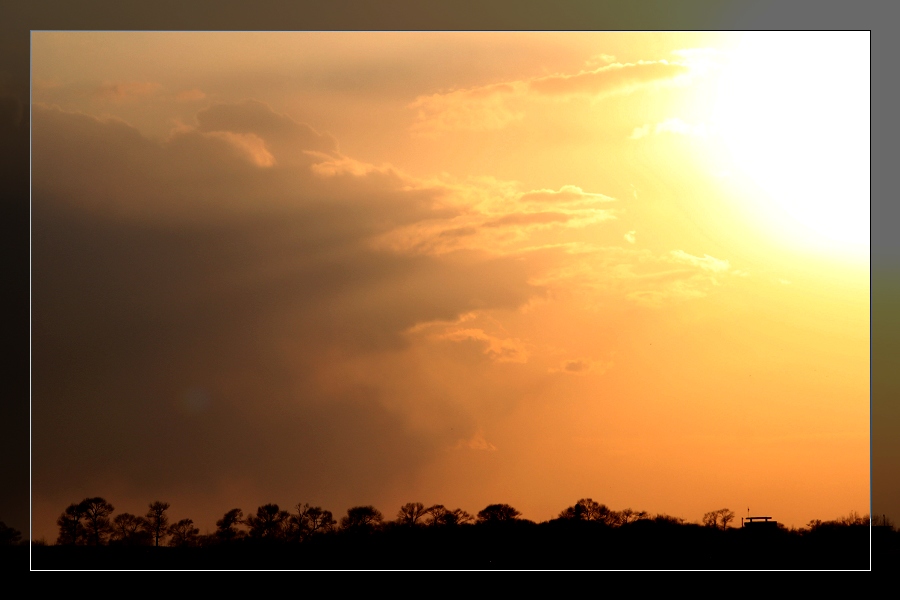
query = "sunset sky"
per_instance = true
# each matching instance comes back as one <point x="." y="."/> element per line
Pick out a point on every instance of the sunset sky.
<point x="456" y="268"/>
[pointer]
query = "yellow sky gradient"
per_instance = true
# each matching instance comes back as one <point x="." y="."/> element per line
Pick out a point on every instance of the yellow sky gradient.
<point x="456" y="268"/>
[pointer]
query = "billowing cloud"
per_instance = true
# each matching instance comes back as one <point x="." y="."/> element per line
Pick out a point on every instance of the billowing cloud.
<point x="196" y="298"/>
<point x="202" y="297"/>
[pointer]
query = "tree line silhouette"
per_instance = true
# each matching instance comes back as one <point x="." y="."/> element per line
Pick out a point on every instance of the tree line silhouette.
<point x="587" y="534"/>
<point x="89" y="523"/>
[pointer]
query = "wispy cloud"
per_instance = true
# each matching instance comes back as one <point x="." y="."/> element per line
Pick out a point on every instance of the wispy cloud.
<point x="599" y="59"/>
<point x="706" y="262"/>
<point x="496" y="348"/>
<point x="497" y="105"/>
<point x="638" y="275"/>
<point x="476" y="109"/>
<point x="611" y="78"/>
<point x="476" y="442"/>
<point x="567" y="194"/>
<point x="498" y="216"/>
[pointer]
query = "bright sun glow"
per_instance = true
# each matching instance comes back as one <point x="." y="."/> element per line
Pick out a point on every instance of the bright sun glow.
<point x="793" y="110"/>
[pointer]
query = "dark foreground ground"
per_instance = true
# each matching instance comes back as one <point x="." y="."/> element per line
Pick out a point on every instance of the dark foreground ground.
<point x="508" y="546"/>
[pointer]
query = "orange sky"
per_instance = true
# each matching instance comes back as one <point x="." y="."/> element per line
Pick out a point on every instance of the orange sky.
<point x="456" y="268"/>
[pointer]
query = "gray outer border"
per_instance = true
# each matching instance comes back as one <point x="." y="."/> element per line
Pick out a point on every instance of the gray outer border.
<point x="19" y="17"/>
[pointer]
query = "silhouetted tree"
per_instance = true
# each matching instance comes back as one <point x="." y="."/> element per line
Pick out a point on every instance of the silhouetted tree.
<point x="630" y="516"/>
<point x="567" y="513"/>
<point x="725" y="517"/>
<point x="157" y="521"/>
<point x="71" y="526"/>
<point x="362" y="518"/>
<point x="97" y="525"/>
<point x="8" y="535"/>
<point x="587" y="509"/>
<point x="663" y="518"/>
<point x="183" y="533"/>
<point x="269" y="522"/>
<point x="591" y="510"/>
<point x="443" y="517"/>
<point x="854" y="518"/>
<point x="718" y="518"/>
<point x="130" y="529"/>
<point x="310" y="520"/>
<point x="498" y="513"/>
<point x="438" y="514"/>
<point x="227" y="526"/>
<point x="458" y="516"/>
<point x="319" y="520"/>
<point x="410" y="513"/>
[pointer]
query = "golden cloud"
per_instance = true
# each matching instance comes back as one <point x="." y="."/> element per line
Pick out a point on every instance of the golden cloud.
<point x="614" y="77"/>
<point x="497" y="105"/>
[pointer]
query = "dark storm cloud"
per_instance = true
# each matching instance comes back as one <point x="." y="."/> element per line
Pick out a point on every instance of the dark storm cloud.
<point x="187" y="296"/>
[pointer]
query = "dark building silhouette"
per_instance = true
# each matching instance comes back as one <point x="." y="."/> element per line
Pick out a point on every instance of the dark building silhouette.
<point x="758" y="523"/>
